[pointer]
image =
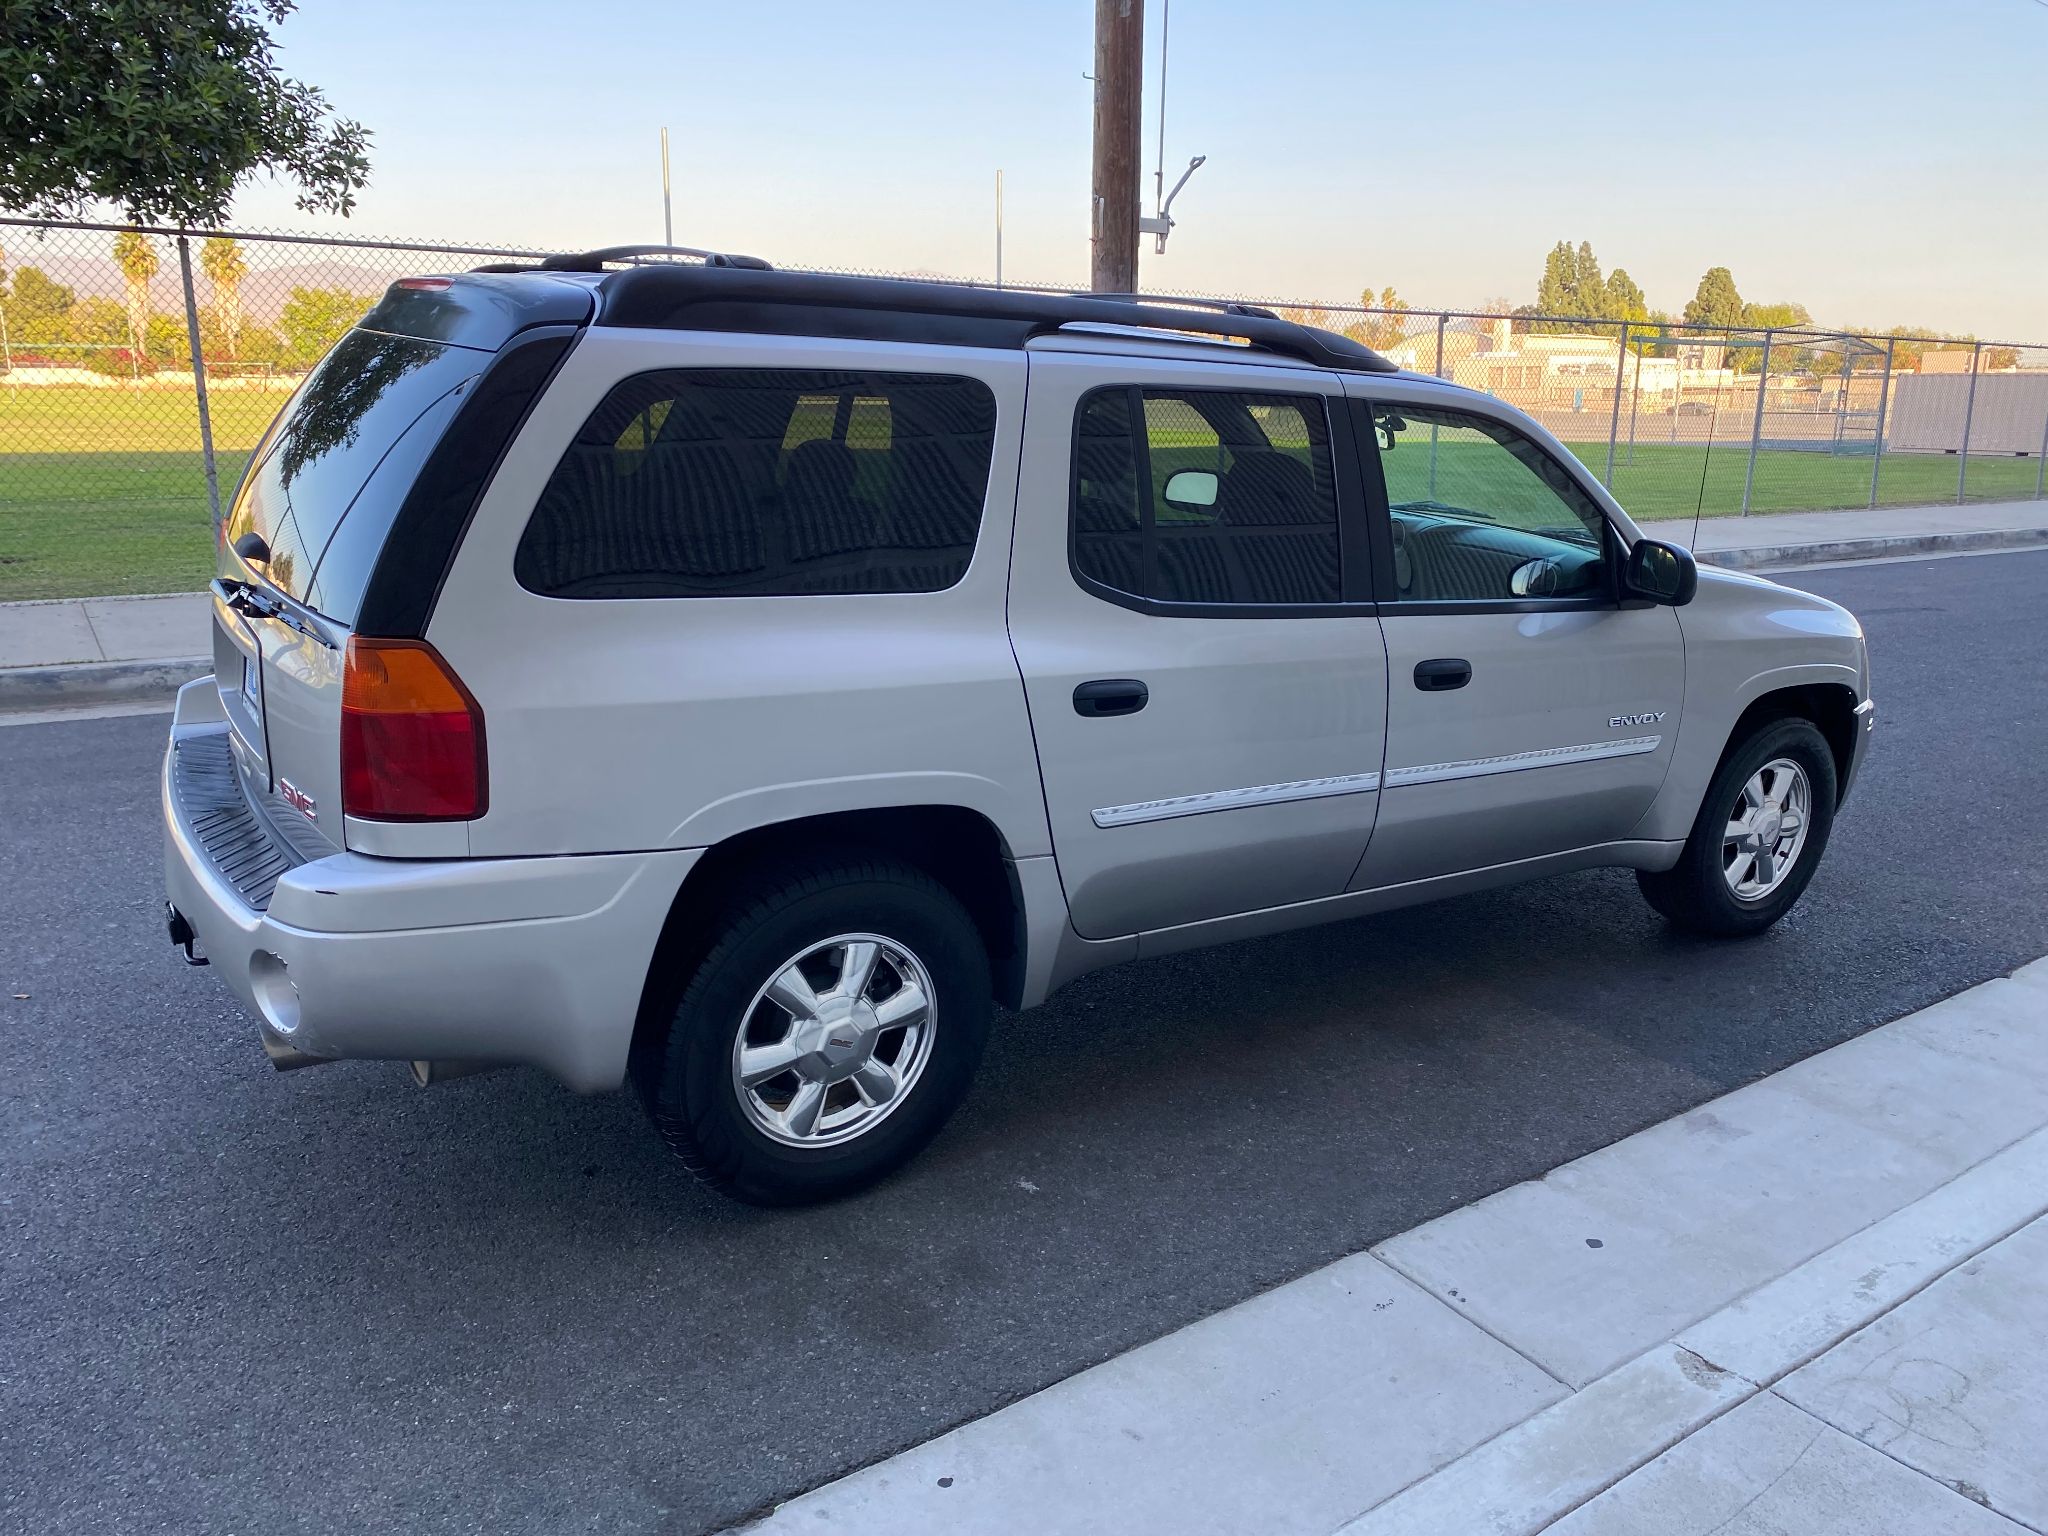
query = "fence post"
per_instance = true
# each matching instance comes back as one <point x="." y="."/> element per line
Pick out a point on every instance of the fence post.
<point x="1969" y="410"/>
<point x="1884" y="397"/>
<point x="2041" y="464"/>
<point x="1433" y="426"/>
<point x="1756" y="431"/>
<point x="1614" y="417"/>
<point x="199" y="382"/>
<point x="1635" y="400"/>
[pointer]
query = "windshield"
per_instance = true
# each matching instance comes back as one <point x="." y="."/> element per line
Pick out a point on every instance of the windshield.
<point x="314" y="495"/>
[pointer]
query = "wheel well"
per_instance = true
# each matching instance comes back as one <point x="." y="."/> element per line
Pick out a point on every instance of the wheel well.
<point x="1830" y="706"/>
<point x="959" y="848"/>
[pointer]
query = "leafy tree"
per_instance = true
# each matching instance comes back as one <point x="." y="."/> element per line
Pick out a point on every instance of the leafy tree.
<point x="103" y="325"/>
<point x="1776" y="316"/>
<point x="1382" y="330"/>
<point x="163" y="108"/>
<point x="222" y="260"/>
<point x="164" y="343"/>
<point x="2000" y="357"/>
<point x="314" y="319"/>
<point x="35" y="301"/>
<point x="1572" y="288"/>
<point x="1716" y="302"/>
<point x="259" y="345"/>
<point x="1624" y="300"/>
<point x="1907" y="348"/>
<point x="135" y="255"/>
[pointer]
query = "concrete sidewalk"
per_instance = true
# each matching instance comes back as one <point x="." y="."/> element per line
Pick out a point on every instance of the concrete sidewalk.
<point x="1818" y="1304"/>
<point x="96" y="649"/>
<point x="1809" y="538"/>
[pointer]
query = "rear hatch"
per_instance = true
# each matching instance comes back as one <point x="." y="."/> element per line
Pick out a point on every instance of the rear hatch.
<point x="324" y="503"/>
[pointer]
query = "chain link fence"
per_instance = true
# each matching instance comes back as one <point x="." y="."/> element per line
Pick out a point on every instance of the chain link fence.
<point x="139" y="367"/>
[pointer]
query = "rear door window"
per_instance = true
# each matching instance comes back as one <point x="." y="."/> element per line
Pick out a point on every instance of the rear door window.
<point x="1205" y="496"/>
<point x="740" y="482"/>
<point x="312" y="496"/>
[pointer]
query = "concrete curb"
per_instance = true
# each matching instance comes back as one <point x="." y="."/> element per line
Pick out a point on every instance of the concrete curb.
<point x="1781" y="556"/>
<point x="97" y="682"/>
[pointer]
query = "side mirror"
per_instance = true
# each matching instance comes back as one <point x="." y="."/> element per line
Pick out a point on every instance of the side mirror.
<point x="1660" y="573"/>
<point x="1538" y="578"/>
<point x="1190" y="488"/>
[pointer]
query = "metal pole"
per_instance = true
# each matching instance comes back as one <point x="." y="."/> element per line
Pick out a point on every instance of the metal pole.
<point x="1969" y="410"/>
<point x="668" y="223"/>
<point x="1614" y="418"/>
<point x="1635" y="400"/>
<point x="199" y="382"/>
<point x="1678" y="386"/>
<point x="1884" y="396"/>
<point x="1756" y="431"/>
<point x="1438" y="371"/>
<point x="2041" y="464"/>
<point x="999" y="228"/>
<point x="1439" y="368"/>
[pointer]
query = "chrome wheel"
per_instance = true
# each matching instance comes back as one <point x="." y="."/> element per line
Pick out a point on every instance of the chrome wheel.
<point x="834" y="1040"/>
<point x="1767" y="830"/>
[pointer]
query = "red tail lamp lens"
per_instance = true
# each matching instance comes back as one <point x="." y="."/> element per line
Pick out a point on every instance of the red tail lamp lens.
<point x="412" y="737"/>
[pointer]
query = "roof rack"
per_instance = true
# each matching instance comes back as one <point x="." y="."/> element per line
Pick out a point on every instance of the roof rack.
<point x="594" y="261"/>
<point x="1223" y="306"/>
<point x="735" y="294"/>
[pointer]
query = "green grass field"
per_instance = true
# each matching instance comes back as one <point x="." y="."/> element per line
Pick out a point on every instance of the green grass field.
<point x="104" y="491"/>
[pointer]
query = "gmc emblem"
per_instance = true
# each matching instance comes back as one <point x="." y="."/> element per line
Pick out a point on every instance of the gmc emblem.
<point x="296" y="797"/>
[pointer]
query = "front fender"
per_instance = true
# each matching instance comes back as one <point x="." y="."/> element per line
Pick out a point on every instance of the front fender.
<point x="1746" y="637"/>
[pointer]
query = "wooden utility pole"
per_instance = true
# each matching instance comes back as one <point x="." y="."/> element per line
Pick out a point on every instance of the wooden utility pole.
<point x="1119" y="92"/>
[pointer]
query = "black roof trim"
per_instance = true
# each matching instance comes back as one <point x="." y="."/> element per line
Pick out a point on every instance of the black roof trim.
<point x="742" y="299"/>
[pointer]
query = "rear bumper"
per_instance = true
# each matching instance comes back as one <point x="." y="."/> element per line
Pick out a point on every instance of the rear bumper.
<point x="536" y="961"/>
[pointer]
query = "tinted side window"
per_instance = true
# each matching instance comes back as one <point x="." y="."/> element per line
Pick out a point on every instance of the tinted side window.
<point x="1480" y="513"/>
<point x="731" y="482"/>
<point x="1206" y="496"/>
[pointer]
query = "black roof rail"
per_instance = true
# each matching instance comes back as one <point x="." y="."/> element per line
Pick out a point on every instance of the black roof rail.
<point x="1223" y="306"/>
<point x="731" y="297"/>
<point x="594" y="261"/>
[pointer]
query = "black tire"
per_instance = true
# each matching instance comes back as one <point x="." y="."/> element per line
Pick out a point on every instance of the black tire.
<point x="685" y="1075"/>
<point x="1694" y="894"/>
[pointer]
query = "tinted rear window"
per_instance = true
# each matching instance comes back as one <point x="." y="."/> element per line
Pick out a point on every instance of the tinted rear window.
<point x="728" y="482"/>
<point x="316" y="494"/>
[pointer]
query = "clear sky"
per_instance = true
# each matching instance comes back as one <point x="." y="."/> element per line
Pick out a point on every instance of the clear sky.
<point x="1881" y="161"/>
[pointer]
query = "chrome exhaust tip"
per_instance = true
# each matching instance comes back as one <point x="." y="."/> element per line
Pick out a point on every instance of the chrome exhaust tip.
<point x="427" y="1073"/>
<point x="285" y="1056"/>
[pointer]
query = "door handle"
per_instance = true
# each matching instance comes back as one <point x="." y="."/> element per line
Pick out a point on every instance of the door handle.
<point x="1110" y="696"/>
<point x="1442" y="674"/>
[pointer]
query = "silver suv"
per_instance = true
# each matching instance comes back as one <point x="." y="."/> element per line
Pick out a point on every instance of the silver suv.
<point x="740" y="681"/>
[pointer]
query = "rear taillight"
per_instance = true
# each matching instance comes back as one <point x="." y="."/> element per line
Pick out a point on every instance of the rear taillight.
<point x="412" y="738"/>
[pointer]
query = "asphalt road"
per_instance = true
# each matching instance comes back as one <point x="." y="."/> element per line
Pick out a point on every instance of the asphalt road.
<point x="237" y="1301"/>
